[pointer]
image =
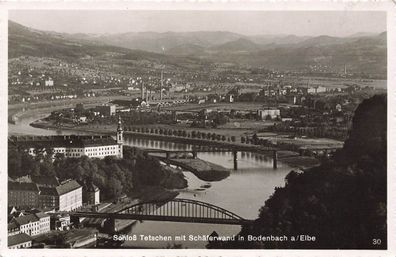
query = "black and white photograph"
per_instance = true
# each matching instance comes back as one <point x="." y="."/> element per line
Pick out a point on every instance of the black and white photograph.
<point x="197" y="129"/>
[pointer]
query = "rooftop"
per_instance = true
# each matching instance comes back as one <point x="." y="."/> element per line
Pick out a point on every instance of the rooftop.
<point x="18" y="239"/>
<point x="61" y="141"/>
<point x="48" y="191"/>
<point x="41" y="215"/>
<point x="22" y="186"/>
<point x="67" y="187"/>
<point x="22" y="220"/>
<point x="46" y="180"/>
<point x="11" y="209"/>
<point x="12" y="225"/>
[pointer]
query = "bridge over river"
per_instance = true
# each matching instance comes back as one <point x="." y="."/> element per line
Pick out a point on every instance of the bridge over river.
<point x="171" y="156"/>
<point x="176" y="210"/>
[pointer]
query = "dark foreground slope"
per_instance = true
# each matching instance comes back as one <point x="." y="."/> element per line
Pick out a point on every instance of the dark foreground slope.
<point x="341" y="203"/>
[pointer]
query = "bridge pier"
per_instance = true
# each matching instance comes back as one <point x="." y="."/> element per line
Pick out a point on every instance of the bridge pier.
<point x="194" y="153"/>
<point x="275" y="159"/>
<point x="167" y="155"/>
<point x="110" y="225"/>
<point x="235" y="154"/>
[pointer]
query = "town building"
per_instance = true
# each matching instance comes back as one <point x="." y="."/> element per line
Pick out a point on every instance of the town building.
<point x="316" y="90"/>
<point x="270" y="113"/>
<point x="91" y="194"/>
<point x="48" y="197"/>
<point x="60" y="221"/>
<point x="70" y="195"/>
<point x="106" y="110"/>
<point x="73" y="146"/>
<point x="13" y="228"/>
<point x="48" y="193"/>
<point x="18" y="241"/>
<point x="44" y="222"/>
<point x="23" y="194"/>
<point x="229" y="98"/>
<point x="49" y="82"/>
<point x="28" y="224"/>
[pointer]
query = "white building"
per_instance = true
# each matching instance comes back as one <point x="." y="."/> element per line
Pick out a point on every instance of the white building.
<point x="316" y="90"/>
<point x="73" y="146"/>
<point x="70" y="195"/>
<point x="268" y="114"/>
<point x="60" y="221"/>
<point x="49" y="82"/>
<point x="44" y="222"/>
<point x="28" y="224"/>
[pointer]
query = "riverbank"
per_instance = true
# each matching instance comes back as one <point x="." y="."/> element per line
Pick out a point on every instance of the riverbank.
<point x="143" y="194"/>
<point x="290" y="158"/>
<point x="203" y="170"/>
<point x="255" y="175"/>
<point x="42" y="124"/>
<point x="16" y="112"/>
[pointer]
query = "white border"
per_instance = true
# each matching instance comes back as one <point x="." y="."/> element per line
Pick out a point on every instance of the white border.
<point x="386" y="5"/>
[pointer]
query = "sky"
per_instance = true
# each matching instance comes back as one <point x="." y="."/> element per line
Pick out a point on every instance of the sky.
<point x="300" y="23"/>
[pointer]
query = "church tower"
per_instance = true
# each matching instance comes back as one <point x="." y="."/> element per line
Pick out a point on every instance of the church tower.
<point x="120" y="136"/>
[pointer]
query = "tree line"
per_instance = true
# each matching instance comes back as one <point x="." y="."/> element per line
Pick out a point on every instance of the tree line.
<point x="342" y="202"/>
<point x="113" y="176"/>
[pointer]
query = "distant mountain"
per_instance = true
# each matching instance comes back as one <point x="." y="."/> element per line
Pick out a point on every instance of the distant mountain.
<point x="172" y="41"/>
<point x="362" y="34"/>
<point x="26" y="41"/>
<point x="186" y="50"/>
<point x="239" y="45"/>
<point x="322" y="40"/>
<point x="361" y="55"/>
<point x="190" y="50"/>
<point x="278" y="39"/>
<point x="157" y="42"/>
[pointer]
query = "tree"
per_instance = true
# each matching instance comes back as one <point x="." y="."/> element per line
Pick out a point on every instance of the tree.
<point x="115" y="187"/>
<point x="255" y="139"/>
<point x="342" y="202"/>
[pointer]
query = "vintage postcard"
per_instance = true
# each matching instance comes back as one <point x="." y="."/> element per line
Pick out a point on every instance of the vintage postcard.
<point x="134" y="127"/>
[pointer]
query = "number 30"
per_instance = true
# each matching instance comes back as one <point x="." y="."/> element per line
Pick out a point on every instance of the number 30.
<point x="376" y="241"/>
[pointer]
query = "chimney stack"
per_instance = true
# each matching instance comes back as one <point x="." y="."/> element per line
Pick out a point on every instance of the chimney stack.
<point x="162" y="83"/>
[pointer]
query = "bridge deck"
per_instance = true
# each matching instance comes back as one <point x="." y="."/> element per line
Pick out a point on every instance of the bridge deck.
<point x="217" y="149"/>
<point x="131" y="216"/>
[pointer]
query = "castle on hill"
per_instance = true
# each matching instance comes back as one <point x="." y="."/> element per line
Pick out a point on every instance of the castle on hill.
<point x="73" y="146"/>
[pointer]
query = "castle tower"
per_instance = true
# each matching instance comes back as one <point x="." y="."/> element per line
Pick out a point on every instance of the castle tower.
<point x="120" y="136"/>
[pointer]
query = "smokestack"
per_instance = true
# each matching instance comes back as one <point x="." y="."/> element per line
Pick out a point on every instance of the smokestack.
<point x="147" y="93"/>
<point x="162" y="83"/>
<point x="142" y="90"/>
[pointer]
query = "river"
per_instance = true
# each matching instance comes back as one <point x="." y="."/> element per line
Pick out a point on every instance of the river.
<point x="243" y="192"/>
